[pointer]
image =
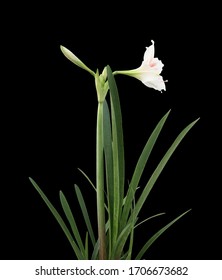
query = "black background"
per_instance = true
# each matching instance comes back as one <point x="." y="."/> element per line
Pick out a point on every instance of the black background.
<point x="48" y="121"/>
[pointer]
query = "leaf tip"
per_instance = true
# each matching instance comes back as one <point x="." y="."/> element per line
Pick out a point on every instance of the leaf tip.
<point x="31" y="180"/>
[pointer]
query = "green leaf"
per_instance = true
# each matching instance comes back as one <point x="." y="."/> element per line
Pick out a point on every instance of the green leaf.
<point x="125" y="256"/>
<point x="59" y="220"/>
<point x="87" y="246"/>
<point x="131" y="239"/>
<point x="147" y="219"/>
<point x="108" y="151"/>
<point x="85" y="213"/>
<point x="118" y="152"/>
<point x="160" y="167"/>
<point x="70" y="218"/>
<point x="121" y="240"/>
<point x="140" y="167"/>
<point x="156" y="235"/>
<point x="91" y="183"/>
<point x="95" y="251"/>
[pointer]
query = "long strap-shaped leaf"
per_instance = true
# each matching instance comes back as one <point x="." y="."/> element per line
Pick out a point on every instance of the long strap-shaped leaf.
<point x="121" y="240"/>
<point x="87" y="246"/>
<point x="149" y="218"/>
<point x="91" y="183"/>
<point x="87" y="177"/>
<point x="160" y="167"/>
<point x="68" y="212"/>
<point x="95" y="251"/>
<point x="108" y="151"/>
<point x="155" y="236"/>
<point x="85" y="214"/>
<point x="59" y="220"/>
<point x="118" y="152"/>
<point x="140" y="167"/>
<point x="131" y="237"/>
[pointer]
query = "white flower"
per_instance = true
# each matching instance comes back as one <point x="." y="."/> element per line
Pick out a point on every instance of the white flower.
<point x="149" y="71"/>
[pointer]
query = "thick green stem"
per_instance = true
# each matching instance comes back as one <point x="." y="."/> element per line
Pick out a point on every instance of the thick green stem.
<point x="100" y="183"/>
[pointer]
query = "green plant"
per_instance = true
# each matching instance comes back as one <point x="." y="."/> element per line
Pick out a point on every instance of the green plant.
<point x="117" y="207"/>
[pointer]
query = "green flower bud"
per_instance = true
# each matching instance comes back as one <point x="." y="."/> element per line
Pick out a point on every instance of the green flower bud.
<point x="102" y="85"/>
<point x="74" y="59"/>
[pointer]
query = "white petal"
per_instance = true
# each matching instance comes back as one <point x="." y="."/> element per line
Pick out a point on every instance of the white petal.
<point x="156" y="65"/>
<point x="154" y="81"/>
<point x="149" y="53"/>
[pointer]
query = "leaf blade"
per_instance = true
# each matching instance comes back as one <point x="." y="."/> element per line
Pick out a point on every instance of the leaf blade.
<point x="160" y="167"/>
<point x="59" y="220"/>
<point x="140" y="167"/>
<point x="70" y="218"/>
<point x="108" y="153"/>
<point x="118" y="152"/>
<point x="156" y="235"/>
<point x="85" y="213"/>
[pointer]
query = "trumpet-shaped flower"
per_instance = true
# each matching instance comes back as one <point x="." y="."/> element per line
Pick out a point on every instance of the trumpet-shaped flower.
<point x="149" y="71"/>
